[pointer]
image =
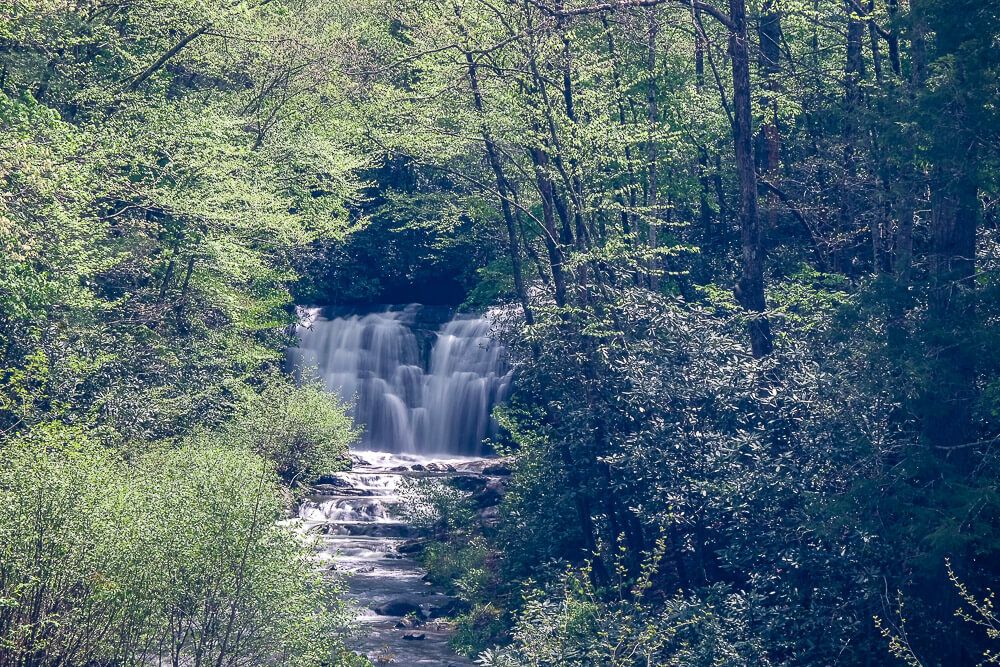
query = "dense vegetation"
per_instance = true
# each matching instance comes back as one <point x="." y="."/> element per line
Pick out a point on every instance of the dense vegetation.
<point x="751" y="256"/>
<point x="755" y="250"/>
<point x="160" y="163"/>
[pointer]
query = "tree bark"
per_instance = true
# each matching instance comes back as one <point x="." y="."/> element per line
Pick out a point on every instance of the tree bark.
<point x="652" y="123"/>
<point x="769" y="62"/>
<point x="750" y="288"/>
<point x="504" y="189"/>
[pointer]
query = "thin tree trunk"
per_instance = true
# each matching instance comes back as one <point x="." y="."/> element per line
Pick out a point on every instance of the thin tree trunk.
<point x="769" y="62"/>
<point x="750" y="288"/>
<point x="162" y="60"/>
<point x="504" y="190"/>
<point x="547" y="195"/>
<point x="652" y="124"/>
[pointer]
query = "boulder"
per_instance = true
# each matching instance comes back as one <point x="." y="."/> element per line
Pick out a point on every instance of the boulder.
<point x="447" y="608"/>
<point x="497" y="470"/>
<point x="489" y="516"/>
<point x="412" y="546"/>
<point x="414" y="636"/>
<point x="471" y="483"/>
<point x="399" y="607"/>
<point x="332" y="479"/>
<point x="491" y="495"/>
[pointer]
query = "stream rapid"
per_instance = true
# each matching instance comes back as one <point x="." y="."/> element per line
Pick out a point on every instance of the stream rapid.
<point x="421" y="385"/>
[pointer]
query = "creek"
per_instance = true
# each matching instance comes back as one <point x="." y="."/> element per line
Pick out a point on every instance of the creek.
<point x="421" y="385"/>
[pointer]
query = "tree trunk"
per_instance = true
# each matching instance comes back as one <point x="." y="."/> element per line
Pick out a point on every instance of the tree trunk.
<point x="769" y="61"/>
<point x="504" y="190"/>
<point x="750" y="288"/>
<point x="652" y="123"/>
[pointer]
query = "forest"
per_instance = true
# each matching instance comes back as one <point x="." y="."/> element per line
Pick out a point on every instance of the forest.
<point x="742" y="258"/>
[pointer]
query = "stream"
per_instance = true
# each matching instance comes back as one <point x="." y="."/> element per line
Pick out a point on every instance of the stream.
<point x="421" y="385"/>
<point x="364" y="533"/>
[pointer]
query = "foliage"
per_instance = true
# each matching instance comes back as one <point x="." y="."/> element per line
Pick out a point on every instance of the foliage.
<point x="176" y="556"/>
<point x="975" y="611"/>
<point x="661" y="194"/>
<point x="149" y="208"/>
<point x="160" y="163"/>
<point x="576" y="624"/>
<point x="304" y="430"/>
<point x="641" y="185"/>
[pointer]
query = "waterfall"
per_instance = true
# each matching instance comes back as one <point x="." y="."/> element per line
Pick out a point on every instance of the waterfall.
<point x="415" y="385"/>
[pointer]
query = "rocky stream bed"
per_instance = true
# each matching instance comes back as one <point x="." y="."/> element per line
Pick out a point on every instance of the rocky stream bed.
<point x="360" y="518"/>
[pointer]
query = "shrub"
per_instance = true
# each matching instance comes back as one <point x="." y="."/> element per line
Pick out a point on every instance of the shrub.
<point x="175" y="557"/>
<point x="574" y="624"/>
<point x="305" y="430"/>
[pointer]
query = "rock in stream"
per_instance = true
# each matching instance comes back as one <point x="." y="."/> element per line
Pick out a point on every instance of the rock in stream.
<point x="363" y="532"/>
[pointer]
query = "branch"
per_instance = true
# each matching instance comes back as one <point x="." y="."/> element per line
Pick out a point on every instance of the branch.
<point x="162" y="60"/>
<point x="977" y="443"/>
<point x="786" y="200"/>
<point x="718" y="14"/>
<point x="867" y="16"/>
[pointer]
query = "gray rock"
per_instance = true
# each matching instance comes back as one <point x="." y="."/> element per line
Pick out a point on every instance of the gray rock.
<point x="488" y="497"/>
<point x="412" y="546"/>
<point x="449" y="607"/>
<point x="497" y="470"/>
<point x="489" y="516"/>
<point x="400" y="607"/>
<point x="470" y="483"/>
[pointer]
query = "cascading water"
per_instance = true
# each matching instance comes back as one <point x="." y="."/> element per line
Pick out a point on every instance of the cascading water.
<point x="408" y="398"/>
<point x="422" y="387"/>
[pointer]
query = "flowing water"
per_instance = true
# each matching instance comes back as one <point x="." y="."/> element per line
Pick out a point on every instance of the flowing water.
<point x="417" y="384"/>
<point x="421" y="386"/>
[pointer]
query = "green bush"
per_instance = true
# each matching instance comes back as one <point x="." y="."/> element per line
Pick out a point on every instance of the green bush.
<point x="305" y="430"/>
<point x="177" y="556"/>
<point x="575" y="624"/>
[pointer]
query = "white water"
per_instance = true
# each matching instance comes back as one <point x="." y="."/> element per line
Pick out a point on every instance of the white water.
<point x="361" y="521"/>
<point x="406" y="400"/>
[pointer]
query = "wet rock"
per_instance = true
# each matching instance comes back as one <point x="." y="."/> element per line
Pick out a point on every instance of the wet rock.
<point x="497" y="470"/>
<point x="377" y="529"/>
<point x="408" y="623"/>
<point x="488" y="497"/>
<point x="332" y="479"/>
<point x="412" y="546"/>
<point x="449" y="607"/>
<point x="399" y="608"/>
<point x="471" y="483"/>
<point x="411" y="636"/>
<point x="336" y="490"/>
